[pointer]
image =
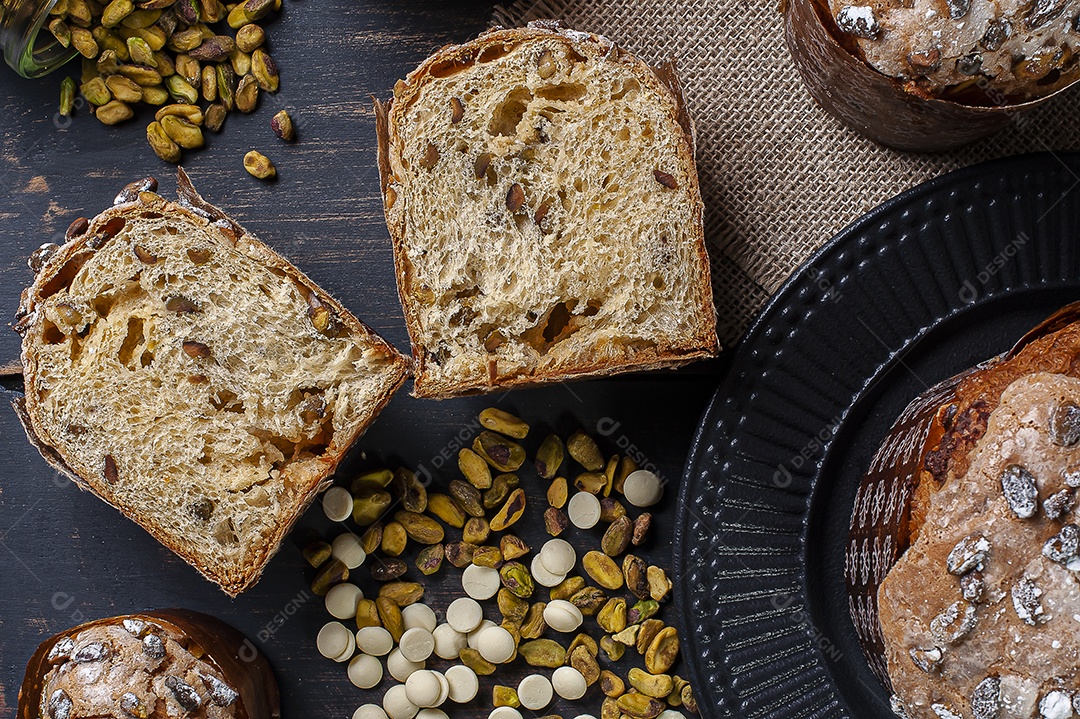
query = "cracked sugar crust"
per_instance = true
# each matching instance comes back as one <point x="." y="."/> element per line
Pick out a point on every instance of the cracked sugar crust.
<point x="128" y="675"/>
<point x="546" y="215"/>
<point x="178" y="372"/>
<point x="1029" y="659"/>
<point x="986" y="52"/>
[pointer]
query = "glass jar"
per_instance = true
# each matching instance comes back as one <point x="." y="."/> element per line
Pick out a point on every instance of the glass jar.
<point x="31" y="52"/>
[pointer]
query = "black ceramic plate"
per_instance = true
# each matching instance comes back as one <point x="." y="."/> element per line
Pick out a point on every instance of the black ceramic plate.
<point x="933" y="281"/>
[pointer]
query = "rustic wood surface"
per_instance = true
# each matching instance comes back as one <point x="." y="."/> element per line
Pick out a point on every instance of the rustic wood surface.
<point x="66" y="557"/>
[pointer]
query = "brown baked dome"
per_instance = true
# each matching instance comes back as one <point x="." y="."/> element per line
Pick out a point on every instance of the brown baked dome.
<point x="964" y="560"/>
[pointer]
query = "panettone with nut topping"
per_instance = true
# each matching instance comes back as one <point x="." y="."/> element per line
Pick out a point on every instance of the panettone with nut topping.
<point x="964" y="551"/>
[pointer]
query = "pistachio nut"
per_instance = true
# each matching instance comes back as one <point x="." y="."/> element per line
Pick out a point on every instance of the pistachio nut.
<point x="627" y="466"/>
<point x="186" y="40"/>
<point x="240" y="62"/>
<point x="84" y="42"/>
<point x="609" y="474"/>
<point x="549" y="457"/>
<point x="367" y="614"/>
<point x="611" y="685"/>
<point x="584" y="640"/>
<point x="446" y="509"/>
<point x="610" y="710"/>
<point x="567" y="588"/>
<point x="226" y="86"/>
<point x="583" y="660"/>
<point x="317" y="553"/>
<point x="674" y="699"/>
<point x="387" y="569"/>
<point x="657" y="686"/>
<point x="510" y="512"/>
<point x="628" y="636"/>
<point x="402" y="593"/>
<point x="659" y="584"/>
<point x="155" y="95"/>
<point x="247" y="94"/>
<point x="390" y="617"/>
<point x="371" y="538"/>
<point x="114" y="112"/>
<point x="191" y="113"/>
<point x="475" y="469"/>
<point x="420" y="527"/>
<point x="500" y="489"/>
<point x="140" y="52"/>
<point x="612" y="648"/>
<point x="639" y="706"/>
<point x="115" y="12"/>
<point x="688" y="699"/>
<point x="557" y="493"/>
<point x="543" y="653"/>
<point x="476" y="531"/>
<point x="512" y="607"/>
<point x="589" y="600"/>
<point x="394" y="539"/>
<point x="188" y="11"/>
<point x="460" y="554"/>
<point x="107" y="63"/>
<point x="642" y="611"/>
<point x="160" y="142"/>
<point x="641" y="529"/>
<point x="555" y="521"/>
<point x="370" y="505"/>
<point x="61" y="32"/>
<point x="517" y="579"/>
<point x="179" y="89"/>
<point x="585" y="451"/>
<point x="617" y="537"/>
<point x="96" y="92"/>
<point x="650" y="628"/>
<point x="108" y="41"/>
<point x="533" y="625"/>
<point x="264" y="70"/>
<point x="602" y="569"/>
<point x="331" y="573"/>
<point x="504" y="696"/>
<point x="281" y="123"/>
<point x="513" y="547"/>
<point x="164" y="64"/>
<point x="611" y="509"/>
<point x="591" y="482"/>
<point x="209" y="84"/>
<point x="67" y="96"/>
<point x="183" y="133"/>
<point x="214" y="49"/>
<point x="662" y="651"/>
<point x="472" y="659"/>
<point x="257" y="164"/>
<point x="501" y="453"/>
<point x="612" y="616"/>
<point x="409" y="490"/>
<point x="467" y="496"/>
<point x="635" y="572"/>
<point x="249" y="37"/>
<point x="488" y="556"/>
<point x="504" y="423"/>
<point x="188" y="67"/>
<point x="380" y="477"/>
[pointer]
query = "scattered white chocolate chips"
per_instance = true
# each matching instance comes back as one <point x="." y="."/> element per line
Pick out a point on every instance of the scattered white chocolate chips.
<point x="464" y="614"/>
<point x="583" y="510"/>
<point x="542" y="576"/>
<point x="643" y="488"/>
<point x="333" y="639"/>
<point x="422" y="688"/>
<point x="342" y="600"/>
<point x="534" y="692"/>
<point x="416" y="644"/>
<point x="464" y="684"/>
<point x="562" y="616"/>
<point x="399" y="667"/>
<point x="473" y="639"/>
<point x="481" y="582"/>
<point x="337" y="504"/>
<point x="558" y="556"/>
<point x="365" y="671"/>
<point x="375" y="641"/>
<point x="419" y="615"/>
<point x="347" y="548"/>
<point x="495" y="644"/>
<point x="569" y="683"/>
<point x="397" y="705"/>
<point x="448" y="642"/>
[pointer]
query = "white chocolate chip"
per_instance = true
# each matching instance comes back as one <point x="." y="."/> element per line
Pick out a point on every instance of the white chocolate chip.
<point x="448" y="642"/>
<point x="583" y="510"/>
<point x="423" y="688"/>
<point x="569" y="683"/>
<point x="369" y="711"/>
<point x="495" y="644"/>
<point x="397" y="705"/>
<point x="562" y="616"/>
<point x="365" y="671"/>
<point x="349" y="650"/>
<point x="444" y="687"/>
<point x="417" y="644"/>
<point x="419" y="615"/>
<point x="348" y="549"/>
<point x="541" y="574"/>
<point x="333" y="639"/>
<point x="474" y="636"/>
<point x="643" y="488"/>
<point x="401" y="668"/>
<point x="337" y="504"/>
<point x="342" y="600"/>
<point x="504" y="713"/>
<point x="670" y="714"/>
<point x="464" y="684"/>
<point x="534" y="692"/>
<point x="464" y="614"/>
<point x="375" y="641"/>
<point x="431" y="713"/>
<point x="558" y="556"/>
<point x="480" y="582"/>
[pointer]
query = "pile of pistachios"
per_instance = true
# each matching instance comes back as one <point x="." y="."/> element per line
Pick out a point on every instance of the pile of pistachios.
<point x="458" y="526"/>
<point x="196" y="60"/>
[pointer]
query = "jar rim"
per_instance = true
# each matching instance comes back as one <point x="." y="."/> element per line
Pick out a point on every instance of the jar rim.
<point x="31" y="53"/>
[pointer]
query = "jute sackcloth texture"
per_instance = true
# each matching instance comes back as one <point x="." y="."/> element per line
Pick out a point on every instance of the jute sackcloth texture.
<point x="779" y="176"/>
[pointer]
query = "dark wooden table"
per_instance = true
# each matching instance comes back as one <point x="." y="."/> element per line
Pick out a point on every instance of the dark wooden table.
<point x="66" y="557"/>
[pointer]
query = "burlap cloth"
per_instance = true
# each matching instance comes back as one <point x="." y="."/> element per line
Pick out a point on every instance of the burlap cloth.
<point x="779" y="176"/>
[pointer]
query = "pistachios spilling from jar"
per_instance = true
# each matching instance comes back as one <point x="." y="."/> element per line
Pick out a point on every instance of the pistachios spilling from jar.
<point x="601" y="600"/>
<point x="194" y="60"/>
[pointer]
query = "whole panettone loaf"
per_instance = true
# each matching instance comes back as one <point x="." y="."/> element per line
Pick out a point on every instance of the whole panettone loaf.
<point x="963" y="558"/>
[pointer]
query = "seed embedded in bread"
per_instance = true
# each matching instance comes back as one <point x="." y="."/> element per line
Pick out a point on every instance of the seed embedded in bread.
<point x="111" y="399"/>
<point x="572" y="242"/>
